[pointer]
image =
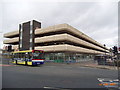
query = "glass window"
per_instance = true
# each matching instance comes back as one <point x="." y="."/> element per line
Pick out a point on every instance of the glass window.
<point x="23" y="55"/>
<point x="51" y="56"/>
<point x="20" y="56"/>
<point x="29" y="55"/>
<point x="15" y="55"/>
<point x="38" y="55"/>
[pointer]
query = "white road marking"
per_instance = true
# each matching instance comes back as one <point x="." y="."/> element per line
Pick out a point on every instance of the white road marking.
<point x="55" y="88"/>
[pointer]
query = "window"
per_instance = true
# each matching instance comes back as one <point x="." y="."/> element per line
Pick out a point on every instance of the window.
<point x="38" y="55"/>
<point x="29" y="55"/>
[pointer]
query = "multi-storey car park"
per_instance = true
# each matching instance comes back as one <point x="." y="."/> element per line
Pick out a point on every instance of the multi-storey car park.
<point x="61" y="43"/>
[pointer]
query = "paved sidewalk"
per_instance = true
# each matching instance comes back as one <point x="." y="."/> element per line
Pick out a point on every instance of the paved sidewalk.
<point x="92" y="65"/>
<point x="95" y="65"/>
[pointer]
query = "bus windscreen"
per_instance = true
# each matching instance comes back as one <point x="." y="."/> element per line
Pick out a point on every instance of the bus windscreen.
<point x="38" y="55"/>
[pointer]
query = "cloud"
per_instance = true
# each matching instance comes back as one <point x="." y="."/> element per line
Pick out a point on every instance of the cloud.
<point x="96" y="19"/>
<point x="0" y="17"/>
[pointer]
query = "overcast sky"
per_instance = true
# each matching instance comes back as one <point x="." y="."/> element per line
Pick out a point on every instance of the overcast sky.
<point x="98" y="20"/>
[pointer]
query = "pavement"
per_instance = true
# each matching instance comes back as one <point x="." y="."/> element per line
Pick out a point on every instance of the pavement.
<point x="95" y="65"/>
<point x="89" y="64"/>
<point x="81" y="65"/>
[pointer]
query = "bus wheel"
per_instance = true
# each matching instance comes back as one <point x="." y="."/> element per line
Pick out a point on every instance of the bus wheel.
<point x="16" y="61"/>
<point x="26" y="63"/>
<point x="33" y="64"/>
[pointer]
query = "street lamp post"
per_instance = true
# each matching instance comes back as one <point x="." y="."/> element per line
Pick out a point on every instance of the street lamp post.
<point x="105" y="54"/>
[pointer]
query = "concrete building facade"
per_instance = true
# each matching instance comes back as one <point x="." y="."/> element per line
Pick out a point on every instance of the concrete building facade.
<point x="61" y="43"/>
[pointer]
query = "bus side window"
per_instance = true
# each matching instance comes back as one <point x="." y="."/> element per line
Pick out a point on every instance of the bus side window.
<point x="27" y="55"/>
<point x="23" y="55"/>
<point x="20" y="56"/>
<point x="15" y="55"/>
<point x="30" y="55"/>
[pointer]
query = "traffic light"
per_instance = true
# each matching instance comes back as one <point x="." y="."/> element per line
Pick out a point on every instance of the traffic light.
<point x="115" y="51"/>
<point x="9" y="48"/>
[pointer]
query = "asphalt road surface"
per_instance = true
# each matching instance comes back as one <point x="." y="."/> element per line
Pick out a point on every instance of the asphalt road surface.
<point x="53" y="76"/>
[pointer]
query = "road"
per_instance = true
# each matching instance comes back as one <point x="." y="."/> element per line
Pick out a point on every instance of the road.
<point x="54" y="76"/>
